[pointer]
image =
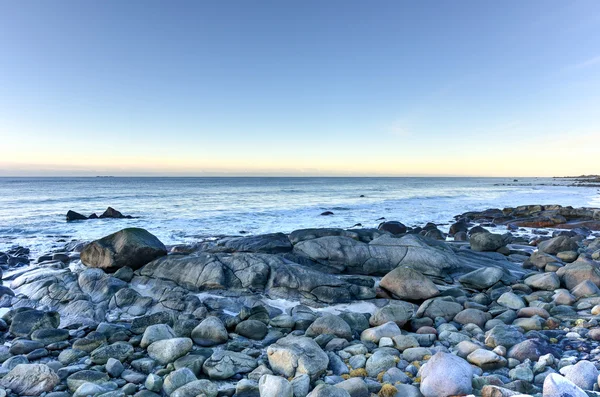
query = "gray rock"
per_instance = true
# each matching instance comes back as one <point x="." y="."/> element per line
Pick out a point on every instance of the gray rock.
<point x="211" y="331"/>
<point x="118" y="350"/>
<point x="356" y="387"/>
<point x="486" y="242"/>
<point x="378" y="362"/>
<point x="26" y="322"/>
<point x="195" y="388"/>
<point x="406" y="283"/>
<point x="398" y="312"/>
<point x="481" y="278"/>
<point x="543" y="281"/>
<point x="168" y="350"/>
<point x="77" y="379"/>
<point x="252" y="329"/>
<point x="132" y="247"/>
<point x="270" y="385"/>
<point x="295" y="355"/>
<point x="558" y="386"/>
<point x="114" y="367"/>
<point x="223" y="364"/>
<point x="387" y="330"/>
<point x="503" y="335"/>
<point x="30" y="379"/>
<point x="557" y="244"/>
<point x="177" y="379"/>
<point x="324" y="390"/>
<point x="511" y="301"/>
<point x="583" y="374"/>
<point x="155" y="333"/>
<point x="446" y="375"/>
<point x="329" y="324"/>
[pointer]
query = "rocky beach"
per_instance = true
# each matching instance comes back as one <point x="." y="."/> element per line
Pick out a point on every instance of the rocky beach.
<point x="387" y="311"/>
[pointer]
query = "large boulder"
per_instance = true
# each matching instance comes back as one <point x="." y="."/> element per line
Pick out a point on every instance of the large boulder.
<point x="487" y="241"/>
<point x="296" y="355"/>
<point x="446" y="375"/>
<point x="393" y="227"/>
<point x="30" y="379"/>
<point x="24" y="323"/>
<point x="273" y="243"/>
<point x="481" y="278"/>
<point x="132" y="247"/>
<point x="381" y="255"/>
<point x="330" y="324"/>
<point x="406" y="283"/>
<point x="557" y="244"/>
<point x="558" y="386"/>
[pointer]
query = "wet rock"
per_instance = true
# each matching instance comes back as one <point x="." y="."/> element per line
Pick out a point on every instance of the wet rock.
<point x="393" y="227"/>
<point x="75" y="216"/>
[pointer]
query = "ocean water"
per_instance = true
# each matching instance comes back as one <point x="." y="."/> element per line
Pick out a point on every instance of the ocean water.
<point x="179" y="210"/>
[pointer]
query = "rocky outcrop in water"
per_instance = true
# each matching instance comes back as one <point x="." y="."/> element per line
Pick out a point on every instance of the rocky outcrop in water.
<point x="110" y="213"/>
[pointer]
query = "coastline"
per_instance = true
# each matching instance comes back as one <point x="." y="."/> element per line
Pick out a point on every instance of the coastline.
<point x="361" y="309"/>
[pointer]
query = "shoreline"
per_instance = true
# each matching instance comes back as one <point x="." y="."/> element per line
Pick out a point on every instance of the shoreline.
<point x="364" y="310"/>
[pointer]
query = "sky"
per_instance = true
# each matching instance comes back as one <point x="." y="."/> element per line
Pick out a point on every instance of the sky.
<point x="356" y="88"/>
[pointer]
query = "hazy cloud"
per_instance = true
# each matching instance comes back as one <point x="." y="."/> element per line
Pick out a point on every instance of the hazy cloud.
<point x="588" y="63"/>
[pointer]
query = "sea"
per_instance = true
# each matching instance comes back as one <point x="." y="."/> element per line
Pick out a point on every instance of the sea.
<point x="188" y="209"/>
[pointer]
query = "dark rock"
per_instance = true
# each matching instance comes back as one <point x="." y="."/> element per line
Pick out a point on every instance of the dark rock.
<point x="393" y="227"/>
<point x="131" y="247"/>
<point x="75" y="216"/>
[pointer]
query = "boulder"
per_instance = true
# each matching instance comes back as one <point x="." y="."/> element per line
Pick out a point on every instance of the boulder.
<point x="558" y="386"/>
<point x="131" y="247"/>
<point x="168" y="350"/>
<point x="274" y="243"/>
<point x="270" y="385"/>
<point x="75" y="216"/>
<point x="295" y="355"/>
<point x="24" y="323"/>
<point x="393" y="227"/>
<point x="223" y="364"/>
<point x="557" y="244"/>
<point x="30" y="379"/>
<point x="543" y="281"/>
<point x="381" y="255"/>
<point x="329" y="324"/>
<point x="487" y="242"/>
<point x="406" y="283"/>
<point x="446" y="375"/>
<point x="481" y="278"/>
<point x="396" y="311"/>
<point x="583" y="374"/>
<point x="211" y="331"/>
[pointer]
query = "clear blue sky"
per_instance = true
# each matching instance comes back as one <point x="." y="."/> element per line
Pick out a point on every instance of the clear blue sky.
<point x="299" y="87"/>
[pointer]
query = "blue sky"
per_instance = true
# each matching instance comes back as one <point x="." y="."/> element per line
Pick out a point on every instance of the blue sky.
<point x="299" y="87"/>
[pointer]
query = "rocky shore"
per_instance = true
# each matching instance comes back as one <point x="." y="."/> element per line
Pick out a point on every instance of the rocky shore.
<point x="394" y="311"/>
